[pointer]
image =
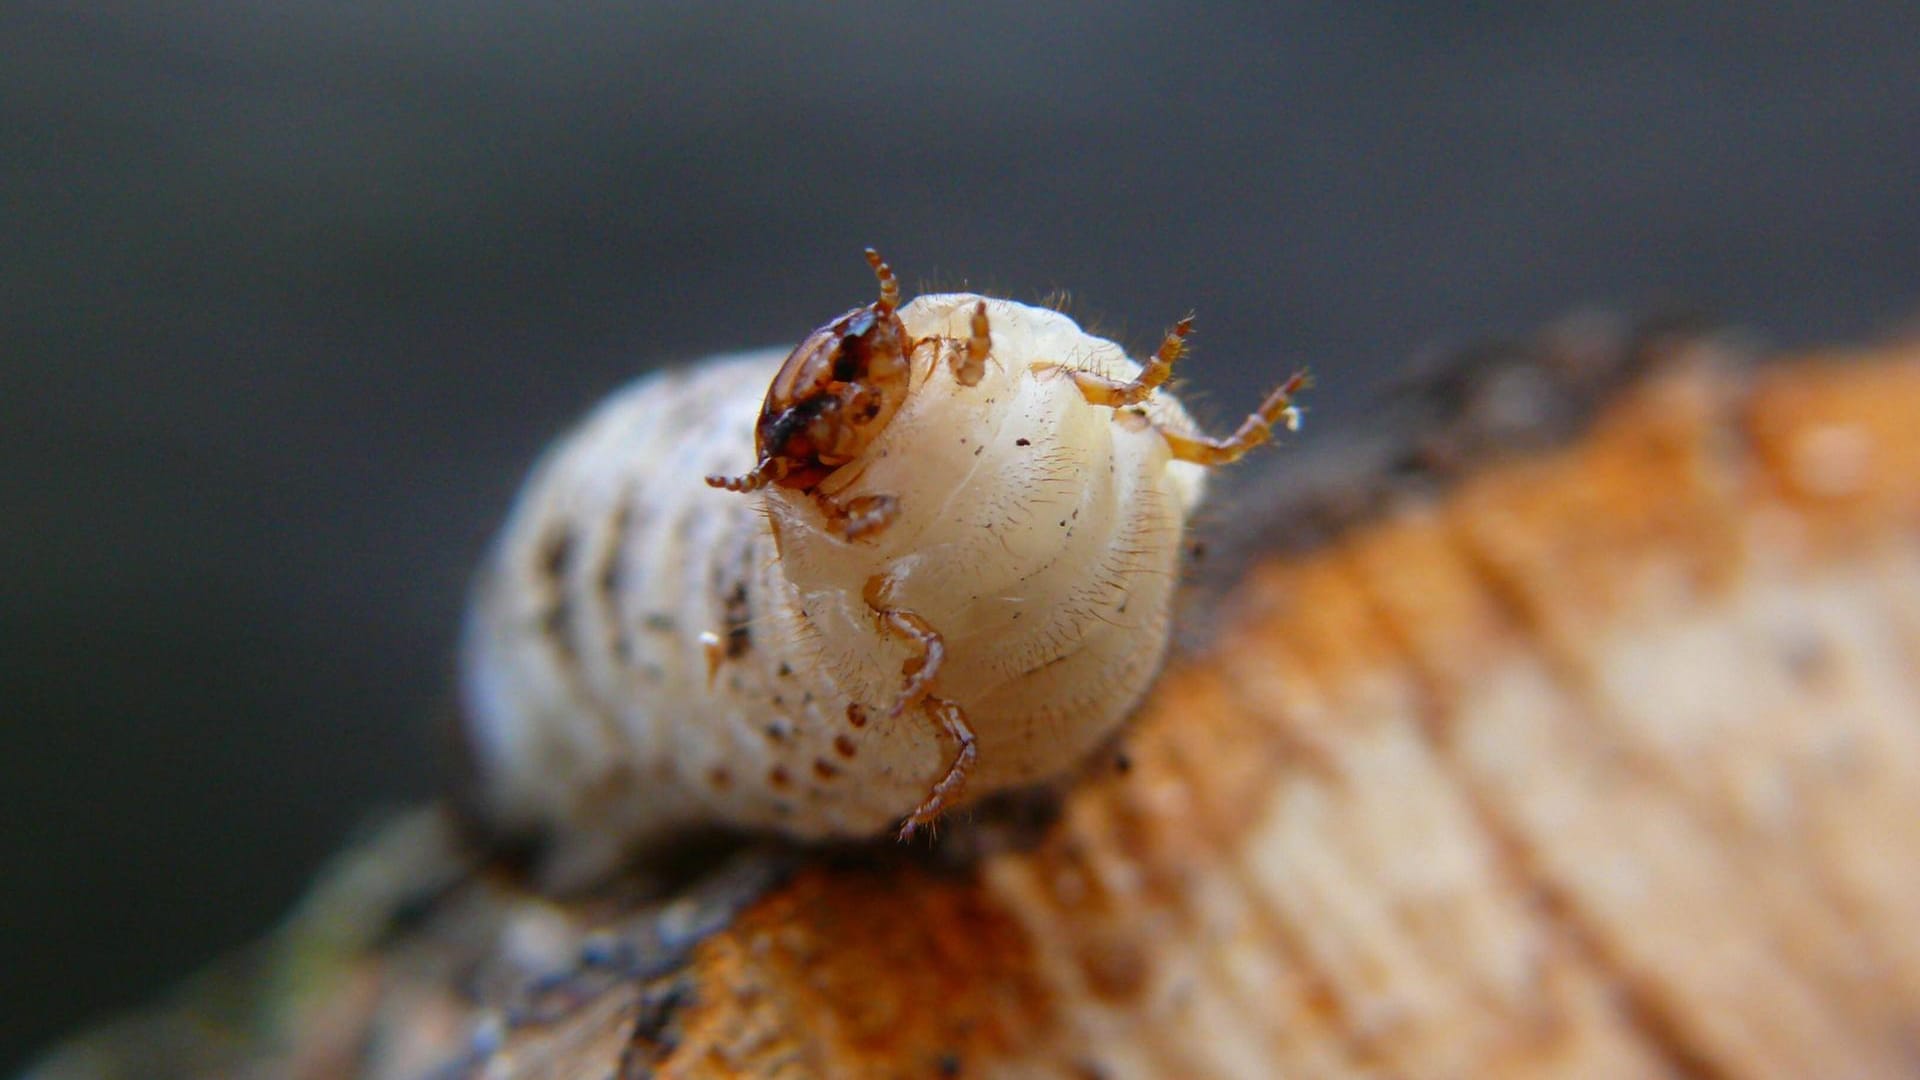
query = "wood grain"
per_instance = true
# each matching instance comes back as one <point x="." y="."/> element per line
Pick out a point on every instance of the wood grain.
<point x="1600" y="759"/>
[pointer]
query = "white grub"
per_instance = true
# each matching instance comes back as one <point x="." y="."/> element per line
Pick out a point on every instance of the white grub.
<point x="969" y="594"/>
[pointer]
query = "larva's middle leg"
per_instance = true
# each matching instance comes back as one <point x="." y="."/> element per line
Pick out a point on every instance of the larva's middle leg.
<point x="921" y="668"/>
<point x="920" y="671"/>
<point x="1255" y="429"/>
<point x="953" y="720"/>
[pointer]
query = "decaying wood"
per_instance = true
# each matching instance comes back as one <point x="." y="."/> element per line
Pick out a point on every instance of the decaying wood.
<point x="1598" y="759"/>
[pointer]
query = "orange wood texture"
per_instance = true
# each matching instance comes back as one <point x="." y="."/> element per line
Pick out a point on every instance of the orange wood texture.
<point x="1605" y="761"/>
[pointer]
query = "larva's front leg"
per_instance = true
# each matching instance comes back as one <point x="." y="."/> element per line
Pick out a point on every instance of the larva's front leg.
<point x="970" y="365"/>
<point x="864" y="515"/>
<point x="920" y="670"/>
<point x="1278" y="408"/>
<point x="1104" y="390"/>
<point x="1255" y="429"/>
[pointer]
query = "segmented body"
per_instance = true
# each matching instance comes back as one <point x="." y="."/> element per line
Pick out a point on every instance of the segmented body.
<point x="648" y="654"/>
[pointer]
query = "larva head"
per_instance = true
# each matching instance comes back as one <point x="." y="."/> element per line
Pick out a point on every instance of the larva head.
<point x="833" y="396"/>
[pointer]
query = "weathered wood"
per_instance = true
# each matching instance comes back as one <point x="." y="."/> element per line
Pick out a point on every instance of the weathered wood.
<point x="1601" y="759"/>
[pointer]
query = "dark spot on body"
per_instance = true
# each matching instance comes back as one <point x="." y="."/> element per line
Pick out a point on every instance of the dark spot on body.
<point x="660" y="622"/>
<point x="556" y="553"/>
<point x="856" y="715"/>
<point x="843" y="745"/>
<point x="977" y="449"/>
<point x="779" y="778"/>
<point x="1023" y="442"/>
<point x="719" y="779"/>
<point x="611" y="570"/>
<point x="778" y="730"/>
<point x="738" y="616"/>
<point x="785" y="671"/>
<point x="825" y="770"/>
<point x="1122" y="763"/>
<point x="554" y="624"/>
<point x="610" y="580"/>
<point x="948" y="1066"/>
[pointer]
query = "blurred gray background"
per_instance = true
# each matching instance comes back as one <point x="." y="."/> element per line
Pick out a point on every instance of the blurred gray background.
<point x="290" y="297"/>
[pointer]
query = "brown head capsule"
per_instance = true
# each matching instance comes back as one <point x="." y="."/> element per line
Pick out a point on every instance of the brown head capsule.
<point x="833" y="396"/>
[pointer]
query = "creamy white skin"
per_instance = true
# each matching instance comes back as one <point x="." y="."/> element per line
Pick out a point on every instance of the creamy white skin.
<point x="1039" y="534"/>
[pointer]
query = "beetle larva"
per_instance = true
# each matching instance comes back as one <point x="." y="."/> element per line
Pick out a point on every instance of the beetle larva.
<point x="947" y="572"/>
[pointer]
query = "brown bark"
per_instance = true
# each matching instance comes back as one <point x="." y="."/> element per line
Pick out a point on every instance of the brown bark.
<point x="1599" y="759"/>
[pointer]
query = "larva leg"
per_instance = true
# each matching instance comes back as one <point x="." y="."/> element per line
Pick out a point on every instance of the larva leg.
<point x="1254" y="430"/>
<point x="1099" y="389"/>
<point x="861" y="516"/>
<point x="920" y="671"/>
<point x="953" y="720"/>
<point x="969" y="367"/>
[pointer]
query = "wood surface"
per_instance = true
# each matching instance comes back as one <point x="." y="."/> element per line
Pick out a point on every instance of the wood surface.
<point x="1587" y="747"/>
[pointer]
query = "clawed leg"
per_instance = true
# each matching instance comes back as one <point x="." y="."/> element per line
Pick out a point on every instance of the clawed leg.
<point x="1254" y="430"/>
<point x="920" y="671"/>
<point x="1278" y="408"/>
<point x="953" y="721"/>
<point x="860" y="516"/>
<point x="969" y="367"/>
<point x="1099" y="389"/>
